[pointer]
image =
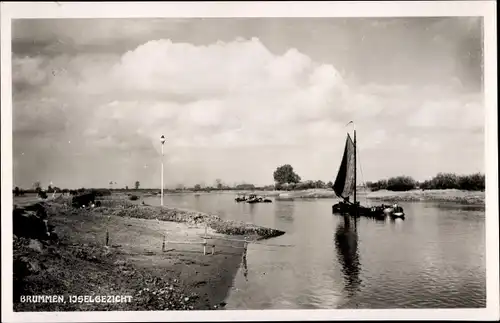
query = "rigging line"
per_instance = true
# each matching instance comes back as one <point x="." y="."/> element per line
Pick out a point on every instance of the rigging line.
<point x="361" y="171"/>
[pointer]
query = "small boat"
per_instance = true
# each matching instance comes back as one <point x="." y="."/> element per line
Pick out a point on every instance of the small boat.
<point x="345" y="186"/>
<point x="258" y="199"/>
<point x="254" y="199"/>
<point x="395" y="211"/>
<point x="240" y="198"/>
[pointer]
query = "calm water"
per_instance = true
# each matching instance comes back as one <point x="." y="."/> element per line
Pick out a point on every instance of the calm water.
<point x="435" y="258"/>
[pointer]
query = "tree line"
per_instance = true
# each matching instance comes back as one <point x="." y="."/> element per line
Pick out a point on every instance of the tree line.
<point x="286" y="179"/>
<point x="472" y="182"/>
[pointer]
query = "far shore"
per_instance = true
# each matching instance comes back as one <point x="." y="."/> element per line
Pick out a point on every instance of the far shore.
<point x="417" y="195"/>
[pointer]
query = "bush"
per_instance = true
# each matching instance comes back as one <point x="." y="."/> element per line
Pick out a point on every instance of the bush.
<point x="401" y="183"/>
<point x="134" y="198"/>
<point x="474" y="182"/>
<point x="305" y="185"/>
<point x="379" y="185"/>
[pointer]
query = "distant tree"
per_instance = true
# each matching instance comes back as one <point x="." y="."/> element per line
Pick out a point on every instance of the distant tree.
<point x="474" y="182"/>
<point x="305" y="185"/>
<point x="445" y="181"/>
<point x="285" y="174"/>
<point x="319" y="184"/>
<point x="245" y="186"/>
<point x="37" y="186"/>
<point x="197" y="187"/>
<point x="379" y="185"/>
<point x="126" y="187"/>
<point x="42" y="194"/>
<point x="329" y="184"/>
<point x="17" y="192"/>
<point x="218" y="183"/>
<point x="50" y="189"/>
<point x="401" y="183"/>
<point x="137" y="184"/>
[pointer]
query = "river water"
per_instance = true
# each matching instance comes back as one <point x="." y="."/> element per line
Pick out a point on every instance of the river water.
<point x="435" y="258"/>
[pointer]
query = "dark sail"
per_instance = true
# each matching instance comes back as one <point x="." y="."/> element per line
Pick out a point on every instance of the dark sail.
<point x="344" y="183"/>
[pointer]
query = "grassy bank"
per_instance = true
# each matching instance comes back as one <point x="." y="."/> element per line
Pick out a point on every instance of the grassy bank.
<point x="446" y="195"/>
<point x="176" y="277"/>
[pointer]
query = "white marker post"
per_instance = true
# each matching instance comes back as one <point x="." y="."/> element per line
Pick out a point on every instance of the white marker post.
<point x="162" y="139"/>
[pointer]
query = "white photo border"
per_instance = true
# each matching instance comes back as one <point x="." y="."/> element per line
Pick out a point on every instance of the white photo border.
<point x="486" y="9"/>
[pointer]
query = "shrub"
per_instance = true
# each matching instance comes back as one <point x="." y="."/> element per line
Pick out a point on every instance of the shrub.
<point x="133" y="197"/>
<point x="305" y="185"/>
<point x="474" y="182"/>
<point x="401" y="183"/>
<point x="379" y="185"/>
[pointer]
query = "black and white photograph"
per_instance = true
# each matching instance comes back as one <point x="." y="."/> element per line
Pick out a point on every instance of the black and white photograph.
<point x="159" y="159"/>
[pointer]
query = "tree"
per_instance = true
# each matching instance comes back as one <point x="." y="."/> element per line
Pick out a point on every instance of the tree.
<point x="319" y="184"/>
<point x="197" y="187"/>
<point x="126" y="187"/>
<point x="137" y="184"/>
<point x="285" y="174"/>
<point x="218" y="183"/>
<point x="401" y="183"/>
<point x="329" y="184"/>
<point x="16" y="191"/>
<point x="37" y="186"/>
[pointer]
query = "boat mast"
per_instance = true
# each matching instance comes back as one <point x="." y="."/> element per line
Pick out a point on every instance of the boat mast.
<point x="355" y="168"/>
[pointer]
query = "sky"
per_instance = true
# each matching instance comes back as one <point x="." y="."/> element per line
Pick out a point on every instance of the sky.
<point x="238" y="97"/>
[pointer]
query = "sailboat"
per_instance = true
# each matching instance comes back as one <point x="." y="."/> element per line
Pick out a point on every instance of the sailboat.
<point x="345" y="187"/>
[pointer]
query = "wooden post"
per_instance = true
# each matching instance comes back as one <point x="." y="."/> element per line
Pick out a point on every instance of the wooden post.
<point x="213" y="249"/>
<point x="163" y="243"/>
<point x="204" y="246"/>
<point x="107" y="237"/>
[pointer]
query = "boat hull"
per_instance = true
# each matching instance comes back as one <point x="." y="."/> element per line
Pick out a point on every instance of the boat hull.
<point x="379" y="212"/>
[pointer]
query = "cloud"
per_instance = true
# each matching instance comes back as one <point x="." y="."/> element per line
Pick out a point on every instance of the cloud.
<point x="225" y="95"/>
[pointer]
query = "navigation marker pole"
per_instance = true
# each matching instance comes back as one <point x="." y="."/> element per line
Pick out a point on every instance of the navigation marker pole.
<point x="162" y="140"/>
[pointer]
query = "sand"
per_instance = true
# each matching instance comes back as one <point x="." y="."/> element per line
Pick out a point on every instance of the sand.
<point x="135" y="262"/>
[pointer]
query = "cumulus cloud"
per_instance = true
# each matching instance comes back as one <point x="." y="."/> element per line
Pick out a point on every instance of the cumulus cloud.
<point x="222" y="95"/>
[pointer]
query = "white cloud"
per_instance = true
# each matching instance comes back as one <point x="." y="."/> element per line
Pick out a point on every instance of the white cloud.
<point x="227" y="95"/>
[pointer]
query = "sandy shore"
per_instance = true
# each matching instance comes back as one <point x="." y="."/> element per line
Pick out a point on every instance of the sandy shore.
<point x="135" y="263"/>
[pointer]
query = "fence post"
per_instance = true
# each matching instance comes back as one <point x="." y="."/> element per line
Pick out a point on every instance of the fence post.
<point x="107" y="237"/>
<point x="163" y="243"/>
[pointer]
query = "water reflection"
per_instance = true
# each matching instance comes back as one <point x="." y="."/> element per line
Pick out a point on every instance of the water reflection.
<point x="284" y="211"/>
<point x="252" y="211"/>
<point x="245" y="267"/>
<point x="346" y="242"/>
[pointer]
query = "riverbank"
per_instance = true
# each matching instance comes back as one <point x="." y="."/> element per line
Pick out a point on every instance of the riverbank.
<point x="177" y="276"/>
<point x="448" y="195"/>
